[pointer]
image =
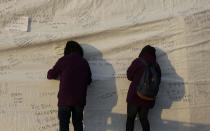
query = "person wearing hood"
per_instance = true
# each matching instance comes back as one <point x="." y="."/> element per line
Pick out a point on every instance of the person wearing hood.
<point x="135" y="104"/>
<point x="74" y="74"/>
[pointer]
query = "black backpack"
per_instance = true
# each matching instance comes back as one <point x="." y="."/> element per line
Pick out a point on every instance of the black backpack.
<point x="149" y="83"/>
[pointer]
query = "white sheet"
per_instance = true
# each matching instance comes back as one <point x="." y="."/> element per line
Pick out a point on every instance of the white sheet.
<point x="112" y="33"/>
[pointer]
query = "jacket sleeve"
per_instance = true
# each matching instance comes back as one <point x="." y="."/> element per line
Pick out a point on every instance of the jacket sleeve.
<point x="89" y="75"/>
<point x="131" y="70"/>
<point x="159" y="75"/>
<point x="159" y="71"/>
<point x="55" y="72"/>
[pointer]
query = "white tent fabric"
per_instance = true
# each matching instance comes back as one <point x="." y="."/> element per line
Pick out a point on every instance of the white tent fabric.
<point x="112" y="32"/>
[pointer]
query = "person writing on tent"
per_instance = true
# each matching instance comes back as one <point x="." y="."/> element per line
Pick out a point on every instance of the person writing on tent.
<point x="144" y="74"/>
<point x="74" y="74"/>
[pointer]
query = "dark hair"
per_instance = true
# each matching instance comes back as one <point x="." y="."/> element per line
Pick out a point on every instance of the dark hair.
<point x="148" y="50"/>
<point x="73" y="47"/>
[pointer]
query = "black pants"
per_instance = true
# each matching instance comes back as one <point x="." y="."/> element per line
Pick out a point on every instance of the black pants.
<point x="64" y="115"/>
<point x="132" y="110"/>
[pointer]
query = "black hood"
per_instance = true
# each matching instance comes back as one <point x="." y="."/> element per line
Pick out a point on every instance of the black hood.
<point x="148" y="53"/>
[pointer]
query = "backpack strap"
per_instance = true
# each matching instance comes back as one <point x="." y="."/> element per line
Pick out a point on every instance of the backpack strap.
<point x="144" y="62"/>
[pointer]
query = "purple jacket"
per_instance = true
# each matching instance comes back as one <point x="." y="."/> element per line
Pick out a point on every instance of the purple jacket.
<point x="75" y="75"/>
<point x="134" y="74"/>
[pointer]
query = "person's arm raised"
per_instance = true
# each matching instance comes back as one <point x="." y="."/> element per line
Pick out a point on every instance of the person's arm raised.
<point x="55" y="71"/>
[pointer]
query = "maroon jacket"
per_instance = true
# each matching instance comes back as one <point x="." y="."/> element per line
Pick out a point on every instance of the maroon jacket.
<point x="134" y="74"/>
<point x="75" y="75"/>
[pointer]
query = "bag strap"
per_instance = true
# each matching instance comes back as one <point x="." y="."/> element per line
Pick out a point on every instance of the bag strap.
<point x="144" y="62"/>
